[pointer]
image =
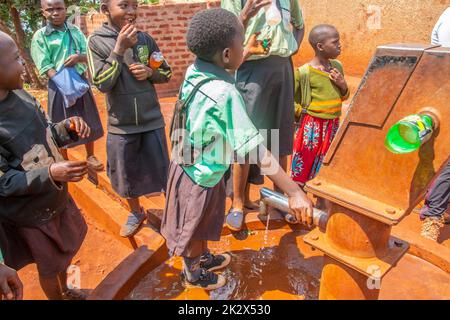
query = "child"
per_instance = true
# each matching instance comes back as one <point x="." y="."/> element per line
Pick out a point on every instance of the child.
<point x="136" y="145"/>
<point x="320" y="89"/>
<point x="50" y="51"/>
<point x="217" y="122"/>
<point x="40" y="221"/>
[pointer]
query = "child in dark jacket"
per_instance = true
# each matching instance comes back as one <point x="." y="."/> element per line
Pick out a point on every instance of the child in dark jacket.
<point x="40" y="221"/>
<point x="118" y="56"/>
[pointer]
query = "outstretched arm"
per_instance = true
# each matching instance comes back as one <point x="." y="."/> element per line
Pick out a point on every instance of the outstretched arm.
<point x="299" y="203"/>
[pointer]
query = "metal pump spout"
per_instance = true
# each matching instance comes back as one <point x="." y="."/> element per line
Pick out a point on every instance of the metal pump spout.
<point x="269" y="198"/>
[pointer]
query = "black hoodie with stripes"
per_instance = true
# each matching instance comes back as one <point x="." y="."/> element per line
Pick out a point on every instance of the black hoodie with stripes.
<point x="133" y="105"/>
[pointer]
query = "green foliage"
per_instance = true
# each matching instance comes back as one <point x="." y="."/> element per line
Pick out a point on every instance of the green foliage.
<point x="84" y="5"/>
<point x="148" y="1"/>
<point x="31" y="16"/>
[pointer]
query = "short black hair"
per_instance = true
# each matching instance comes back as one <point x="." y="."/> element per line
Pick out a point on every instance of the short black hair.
<point x="44" y="2"/>
<point x="320" y="33"/>
<point x="211" y="31"/>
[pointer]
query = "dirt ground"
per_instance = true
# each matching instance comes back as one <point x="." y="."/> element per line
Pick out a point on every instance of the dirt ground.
<point x="99" y="255"/>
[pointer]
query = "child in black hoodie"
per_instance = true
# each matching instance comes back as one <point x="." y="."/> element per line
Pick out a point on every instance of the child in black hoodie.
<point x="118" y="56"/>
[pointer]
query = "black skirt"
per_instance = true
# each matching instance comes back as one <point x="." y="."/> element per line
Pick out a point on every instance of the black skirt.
<point x="85" y="108"/>
<point x="267" y="86"/>
<point x="51" y="246"/>
<point x="137" y="163"/>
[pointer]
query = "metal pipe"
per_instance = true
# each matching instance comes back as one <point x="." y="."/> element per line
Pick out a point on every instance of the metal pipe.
<point x="270" y="198"/>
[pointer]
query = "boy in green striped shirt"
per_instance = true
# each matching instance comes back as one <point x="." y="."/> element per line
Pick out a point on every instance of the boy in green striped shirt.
<point x="320" y="89"/>
<point x="61" y="45"/>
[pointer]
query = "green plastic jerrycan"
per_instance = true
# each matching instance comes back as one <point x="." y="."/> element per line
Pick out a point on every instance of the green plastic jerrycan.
<point x="409" y="134"/>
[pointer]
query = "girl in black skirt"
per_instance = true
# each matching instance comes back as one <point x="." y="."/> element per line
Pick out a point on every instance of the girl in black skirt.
<point x="136" y="145"/>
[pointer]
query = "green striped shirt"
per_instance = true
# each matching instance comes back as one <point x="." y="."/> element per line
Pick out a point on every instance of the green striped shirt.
<point x="326" y="98"/>
<point x="50" y="48"/>
<point x="217" y="117"/>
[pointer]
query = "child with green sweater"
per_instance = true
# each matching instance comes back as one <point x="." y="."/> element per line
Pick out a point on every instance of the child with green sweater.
<point x="320" y="89"/>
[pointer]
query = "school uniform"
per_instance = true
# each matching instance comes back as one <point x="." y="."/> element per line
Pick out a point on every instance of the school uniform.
<point x="218" y="124"/>
<point x="137" y="152"/>
<point x="49" y="49"/>
<point x="267" y="81"/>
<point x="40" y="222"/>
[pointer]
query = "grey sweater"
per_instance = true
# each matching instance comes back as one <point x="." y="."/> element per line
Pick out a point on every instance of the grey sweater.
<point x="133" y="105"/>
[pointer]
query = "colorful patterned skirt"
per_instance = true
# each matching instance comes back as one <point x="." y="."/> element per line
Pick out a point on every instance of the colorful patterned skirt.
<point x="312" y="141"/>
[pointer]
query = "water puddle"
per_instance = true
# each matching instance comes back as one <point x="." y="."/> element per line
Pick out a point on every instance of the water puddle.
<point x="266" y="265"/>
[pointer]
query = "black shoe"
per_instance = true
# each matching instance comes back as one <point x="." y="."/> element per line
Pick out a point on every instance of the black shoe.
<point x="207" y="281"/>
<point x="212" y="262"/>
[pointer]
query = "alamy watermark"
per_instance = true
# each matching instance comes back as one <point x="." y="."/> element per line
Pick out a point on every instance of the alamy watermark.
<point x="73" y="277"/>
<point x="373" y="17"/>
<point x="374" y="280"/>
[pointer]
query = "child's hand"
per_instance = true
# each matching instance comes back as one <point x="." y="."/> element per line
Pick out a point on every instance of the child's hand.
<point x="252" y="7"/>
<point x="127" y="39"/>
<point x="339" y="80"/>
<point x="68" y="171"/>
<point x="301" y="207"/>
<point x="141" y="72"/>
<point x="257" y="47"/>
<point x="78" y="125"/>
<point x="72" y="60"/>
<point x="11" y="287"/>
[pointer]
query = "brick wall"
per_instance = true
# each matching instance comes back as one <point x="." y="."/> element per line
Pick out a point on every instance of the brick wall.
<point x="167" y="24"/>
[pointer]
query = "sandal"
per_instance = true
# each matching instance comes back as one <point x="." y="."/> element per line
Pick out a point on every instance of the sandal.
<point x="235" y="219"/>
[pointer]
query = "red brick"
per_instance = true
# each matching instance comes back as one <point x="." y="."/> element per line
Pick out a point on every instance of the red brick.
<point x="151" y="13"/>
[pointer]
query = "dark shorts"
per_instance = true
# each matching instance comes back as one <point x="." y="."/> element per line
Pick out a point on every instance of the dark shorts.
<point x="51" y="246"/>
<point x="267" y="86"/>
<point x="138" y="163"/>
<point x="438" y="197"/>
<point x="192" y="212"/>
<point x="85" y="108"/>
